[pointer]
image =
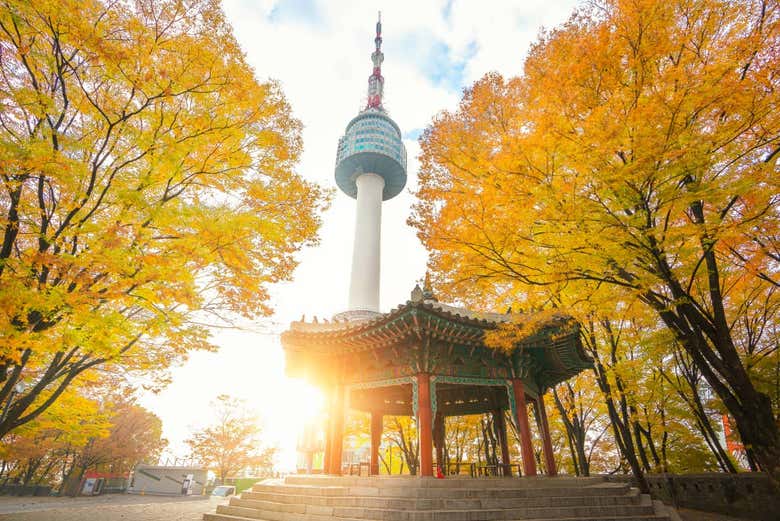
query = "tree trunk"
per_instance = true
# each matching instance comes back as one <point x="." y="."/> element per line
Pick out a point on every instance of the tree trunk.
<point x="750" y="408"/>
<point x="707" y="339"/>
<point x="692" y="398"/>
<point x="31" y="468"/>
<point x="621" y="431"/>
<point x="569" y="428"/>
<point x="74" y="483"/>
<point x="385" y="462"/>
<point x="641" y="447"/>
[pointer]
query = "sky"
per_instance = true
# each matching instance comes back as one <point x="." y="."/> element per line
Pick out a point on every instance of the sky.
<point x="319" y="51"/>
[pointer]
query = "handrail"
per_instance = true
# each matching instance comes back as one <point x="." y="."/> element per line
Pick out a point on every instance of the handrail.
<point x="356" y="469"/>
<point x="474" y="470"/>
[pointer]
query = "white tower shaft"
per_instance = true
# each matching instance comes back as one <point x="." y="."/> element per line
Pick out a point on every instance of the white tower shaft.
<point x="364" y="285"/>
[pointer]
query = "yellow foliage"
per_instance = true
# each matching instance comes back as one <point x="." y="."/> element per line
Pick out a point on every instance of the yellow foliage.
<point x="632" y="171"/>
<point x="148" y="185"/>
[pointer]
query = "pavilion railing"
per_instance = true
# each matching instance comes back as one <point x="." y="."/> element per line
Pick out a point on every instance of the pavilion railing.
<point x="478" y="470"/>
<point x="362" y="468"/>
<point x="500" y="470"/>
<point x="464" y="468"/>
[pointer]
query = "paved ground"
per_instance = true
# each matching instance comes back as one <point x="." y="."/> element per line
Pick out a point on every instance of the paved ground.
<point x="127" y="507"/>
<point x="124" y="507"/>
<point x="697" y="515"/>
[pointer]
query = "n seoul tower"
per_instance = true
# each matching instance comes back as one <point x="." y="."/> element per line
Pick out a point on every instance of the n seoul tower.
<point x="370" y="167"/>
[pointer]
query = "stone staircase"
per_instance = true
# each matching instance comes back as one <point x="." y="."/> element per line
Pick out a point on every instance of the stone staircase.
<point x="322" y="498"/>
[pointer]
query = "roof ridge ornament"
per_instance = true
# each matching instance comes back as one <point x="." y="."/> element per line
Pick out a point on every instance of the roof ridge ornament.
<point x="428" y="294"/>
<point x="417" y="294"/>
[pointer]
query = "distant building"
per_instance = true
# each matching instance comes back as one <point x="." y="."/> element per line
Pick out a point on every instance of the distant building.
<point x="94" y="483"/>
<point x="168" y="481"/>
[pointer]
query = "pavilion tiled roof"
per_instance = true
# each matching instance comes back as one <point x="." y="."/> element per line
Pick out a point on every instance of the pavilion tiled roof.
<point x="463" y="325"/>
<point x="554" y="338"/>
<point x="464" y="315"/>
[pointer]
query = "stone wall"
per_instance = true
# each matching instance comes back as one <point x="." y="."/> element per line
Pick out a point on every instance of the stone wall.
<point x="747" y="494"/>
<point x="25" y="490"/>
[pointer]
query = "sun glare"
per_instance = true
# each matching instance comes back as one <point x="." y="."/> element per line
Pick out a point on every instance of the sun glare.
<point x="306" y="399"/>
<point x="292" y="406"/>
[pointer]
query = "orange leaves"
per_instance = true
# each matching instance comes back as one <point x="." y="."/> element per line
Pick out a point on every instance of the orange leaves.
<point x="630" y="175"/>
<point x="526" y="326"/>
<point x="625" y="116"/>
<point x="232" y="443"/>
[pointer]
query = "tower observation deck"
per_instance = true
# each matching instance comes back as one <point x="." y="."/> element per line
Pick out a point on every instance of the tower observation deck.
<point x="370" y="167"/>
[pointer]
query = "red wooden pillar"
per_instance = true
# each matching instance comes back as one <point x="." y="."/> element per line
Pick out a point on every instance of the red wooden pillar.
<point x="438" y="440"/>
<point x="328" y="432"/>
<point x="500" y="423"/>
<point x="308" y="461"/>
<point x="547" y="448"/>
<point x="337" y="431"/>
<point x="376" y="439"/>
<point x="521" y="417"/>
<point x="424" y="425"/>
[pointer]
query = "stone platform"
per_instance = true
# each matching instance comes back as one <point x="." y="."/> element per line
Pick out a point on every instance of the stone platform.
<point x="323" y="498"/>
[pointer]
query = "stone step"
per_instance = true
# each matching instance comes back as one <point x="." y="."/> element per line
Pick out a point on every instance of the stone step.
<point x="452" y="482"/>
<point x="301" y="489"/>
<point x="412" y="499"/>
<point x="238" y="514"/>
<point x="655" y="517"/>
<point x="232" y="515"/>
<point x="492" y="514"/>
<point x="266" y="515"/>
<point x="281" y="511"/>
<point x="227" y="517"/>
<point x="598" y="489"/>
<point x="416" y="503"/>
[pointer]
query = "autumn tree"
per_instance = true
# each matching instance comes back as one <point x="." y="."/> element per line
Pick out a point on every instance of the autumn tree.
<point x="637" y="153"/>
<point x="88" y="428"/>
<point x="134" y="436"/>
<point x="43" y="450"/>
<point x="579" y="411"/>
<point x="626" y="396"/>
<point x="462" y="442"/>
<point x="685" y="380"/>
<point x="148" y="190"/>
<point x="401" y="432"/>
<point x="232" y="442"/>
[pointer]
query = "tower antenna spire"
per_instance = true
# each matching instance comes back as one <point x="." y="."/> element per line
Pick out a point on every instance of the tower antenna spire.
<point x="376" y="82"/>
